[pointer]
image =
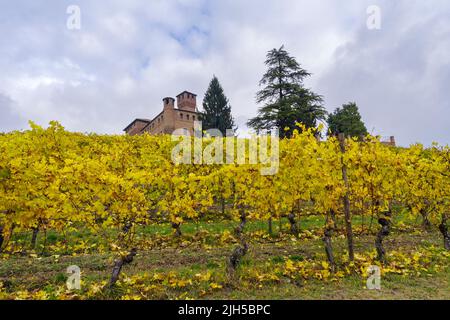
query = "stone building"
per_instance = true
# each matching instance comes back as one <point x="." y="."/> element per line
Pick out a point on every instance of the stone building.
<point x="170" y="118"/>
<point x="389" y="141"/>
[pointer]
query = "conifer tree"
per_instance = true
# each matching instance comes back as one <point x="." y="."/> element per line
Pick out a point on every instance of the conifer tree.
<point x="285" y="99"/>
<point x="216" y="109"/>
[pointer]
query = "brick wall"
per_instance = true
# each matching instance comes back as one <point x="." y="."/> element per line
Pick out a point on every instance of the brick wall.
<point x="171" y="118"/>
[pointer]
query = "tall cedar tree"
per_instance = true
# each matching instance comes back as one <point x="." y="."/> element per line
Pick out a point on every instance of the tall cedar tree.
<point x="347" y="121"/>
<point x="216" y="109"/>
<point x="285" y="99"/>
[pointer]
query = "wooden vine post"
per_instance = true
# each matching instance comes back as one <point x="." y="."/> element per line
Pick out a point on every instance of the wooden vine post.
<point x="346" y="200"/>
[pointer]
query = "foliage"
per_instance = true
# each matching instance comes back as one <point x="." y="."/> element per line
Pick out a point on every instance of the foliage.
<point x="59" y="182"/>
<point x="285" y="99"/>
<point x="216" y="109"/>
<point x="347" y="121"/>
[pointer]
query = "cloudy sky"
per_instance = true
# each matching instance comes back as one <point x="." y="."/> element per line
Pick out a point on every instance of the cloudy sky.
<point x="128" y="55"/>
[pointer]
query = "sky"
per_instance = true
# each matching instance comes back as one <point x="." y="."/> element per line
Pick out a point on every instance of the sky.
<point x="128" y="55"/>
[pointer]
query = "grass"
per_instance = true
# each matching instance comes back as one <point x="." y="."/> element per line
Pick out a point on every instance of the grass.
<point x="351" y="288"/>
<point x="266" y="254"/>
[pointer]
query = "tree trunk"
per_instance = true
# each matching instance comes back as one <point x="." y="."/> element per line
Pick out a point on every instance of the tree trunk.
<point x="270" y="226"/>
<point x="235" y="258"/>
<point x="2" y="238"/>
<point x="127" y="227"/>
<point x="34" y="237"/>
<point x="384" y="232"/>
<point x="239" y="251"/>
<point x="240" y="228"/>
<point x="223" y="206"/>
<point x="444" y="230"/>
<point x="333" y="218"/>
<point x="426" y="224"/>
<point x="118" y="264"/>
<point x="328" y="247"/>
<point x="294" y="227"/>
<point x="44" y="247"/>
<point x="176" y="227"/>
<point x="348" y="221"/>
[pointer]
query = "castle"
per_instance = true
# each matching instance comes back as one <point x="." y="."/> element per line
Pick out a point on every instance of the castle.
<point x="183" y="117"/>
<point x="170" y="118"/>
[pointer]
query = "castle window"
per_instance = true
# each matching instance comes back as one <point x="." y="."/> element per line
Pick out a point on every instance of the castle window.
<point x="187" y="116"/>
<point x="181" y="115"/>
<point x="193" y="118"/>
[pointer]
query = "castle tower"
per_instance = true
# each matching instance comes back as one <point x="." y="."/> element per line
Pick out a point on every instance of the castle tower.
<point x="170" y="118"/>
<point x="187" y="101"/>
<point x="168" y="103"/>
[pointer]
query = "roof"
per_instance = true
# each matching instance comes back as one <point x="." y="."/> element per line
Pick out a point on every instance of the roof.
<point x="152" y="120"/>
<point x="186" y="92"/>
<point x="135" y="120"/>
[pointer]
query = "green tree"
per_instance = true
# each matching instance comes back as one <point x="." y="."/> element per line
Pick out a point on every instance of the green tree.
<point x="285" y="99"/>
<point x="216" y="109"/>
<point x="347" y="120"/>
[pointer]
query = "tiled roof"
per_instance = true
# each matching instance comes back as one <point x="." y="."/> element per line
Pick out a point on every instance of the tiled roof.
<point x="138" y="119"/>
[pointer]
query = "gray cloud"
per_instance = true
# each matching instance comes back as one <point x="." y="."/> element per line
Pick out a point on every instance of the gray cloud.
<point x="128" y="55"/>
<point x="8" y="119"/>
<point x="397" y="74"/>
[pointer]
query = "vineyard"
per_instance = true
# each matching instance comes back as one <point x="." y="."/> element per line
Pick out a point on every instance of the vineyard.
<point x="141" y="227"/>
